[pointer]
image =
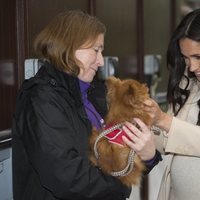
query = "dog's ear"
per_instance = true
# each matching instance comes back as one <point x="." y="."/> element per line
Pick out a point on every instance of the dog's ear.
<point x="134" y="95"/>
<point x="111" y="82"/>
<point x="129" y="95"/>
<point x="145" y="88"/>
<point x="144" y="91"/>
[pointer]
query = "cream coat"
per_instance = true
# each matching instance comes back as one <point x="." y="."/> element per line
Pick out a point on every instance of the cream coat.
<point x="183" y="141"/>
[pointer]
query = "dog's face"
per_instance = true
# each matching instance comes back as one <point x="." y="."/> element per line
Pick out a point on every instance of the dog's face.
<point x="125" y="99"/>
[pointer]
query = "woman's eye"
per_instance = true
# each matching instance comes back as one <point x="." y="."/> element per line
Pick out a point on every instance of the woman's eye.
<point x="184" y="57"/>
<point x="198" y="57"/>
<point x="96" y="50"/>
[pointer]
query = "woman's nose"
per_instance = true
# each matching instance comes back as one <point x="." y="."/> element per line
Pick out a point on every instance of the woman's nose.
<point x="100" y="60"/>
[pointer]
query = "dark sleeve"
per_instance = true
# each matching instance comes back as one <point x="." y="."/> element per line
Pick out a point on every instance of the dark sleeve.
<point x="50" y="143"/>
<point x="150" y="164"/>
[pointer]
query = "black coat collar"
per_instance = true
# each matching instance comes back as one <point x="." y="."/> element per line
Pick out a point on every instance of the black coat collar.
<point x="70" y="84"/>
<point x="61" y="80"/>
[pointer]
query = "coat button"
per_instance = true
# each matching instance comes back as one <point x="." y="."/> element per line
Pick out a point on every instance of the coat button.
<point x="52" y="82"/>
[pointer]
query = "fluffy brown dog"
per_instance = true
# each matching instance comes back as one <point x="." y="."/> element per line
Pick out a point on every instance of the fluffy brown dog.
<point x="107" y="151"/>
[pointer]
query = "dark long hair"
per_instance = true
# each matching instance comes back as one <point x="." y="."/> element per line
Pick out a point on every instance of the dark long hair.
<point x="189" y="27"/>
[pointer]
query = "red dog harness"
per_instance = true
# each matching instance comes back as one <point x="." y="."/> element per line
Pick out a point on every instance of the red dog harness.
<point x="115" y="136"/>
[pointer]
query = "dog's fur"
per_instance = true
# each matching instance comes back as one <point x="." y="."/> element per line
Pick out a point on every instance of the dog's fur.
<point x="125" y="99"/>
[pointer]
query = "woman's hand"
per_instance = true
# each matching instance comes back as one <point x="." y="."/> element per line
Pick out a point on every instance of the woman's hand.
<point x="153" y="110"/>
<point x="140" y="139"/>
<point x="159" y="118"/>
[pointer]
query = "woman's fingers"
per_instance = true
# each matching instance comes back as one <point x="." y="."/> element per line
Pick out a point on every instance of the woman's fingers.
<point x="139" y="138"/>
<point x="128" y="142"/>
<point x="130" y="134"/>
<point x="138" y="128"/>
<point x="142" y="125"/>
<point x="131" y="129"/>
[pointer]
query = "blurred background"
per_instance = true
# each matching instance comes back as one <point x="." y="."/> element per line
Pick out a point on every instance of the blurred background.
<point x="138" y="33"/>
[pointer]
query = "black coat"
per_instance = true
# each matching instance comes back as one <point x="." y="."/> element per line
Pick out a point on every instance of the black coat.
<point x="50" y="142"/>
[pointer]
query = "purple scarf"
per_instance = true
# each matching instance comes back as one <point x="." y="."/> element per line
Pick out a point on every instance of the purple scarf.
<point x="92" y="114"/>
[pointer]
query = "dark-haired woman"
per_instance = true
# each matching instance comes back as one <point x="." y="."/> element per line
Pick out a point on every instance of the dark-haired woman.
<point x="178" y="131"/>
